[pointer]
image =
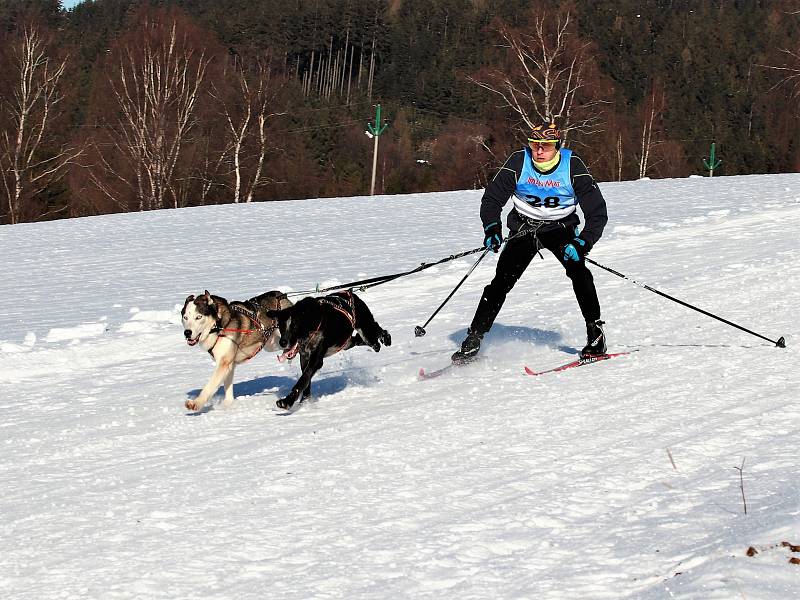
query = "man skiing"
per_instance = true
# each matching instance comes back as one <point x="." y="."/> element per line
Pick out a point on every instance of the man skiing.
<point x="548" y="183"/>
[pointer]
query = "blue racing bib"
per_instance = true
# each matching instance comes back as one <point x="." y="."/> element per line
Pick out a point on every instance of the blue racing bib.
<point x="545" y="197"/>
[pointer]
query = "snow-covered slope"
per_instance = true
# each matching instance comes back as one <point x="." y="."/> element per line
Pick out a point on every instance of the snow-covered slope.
<point x="484" y="483"/>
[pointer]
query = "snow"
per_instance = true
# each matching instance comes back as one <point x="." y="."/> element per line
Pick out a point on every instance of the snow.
<point x="483" y="483"/>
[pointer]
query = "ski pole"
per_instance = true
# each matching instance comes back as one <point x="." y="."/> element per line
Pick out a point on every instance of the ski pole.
<point x="420" y="331"/>
<point x="780" y="343"/>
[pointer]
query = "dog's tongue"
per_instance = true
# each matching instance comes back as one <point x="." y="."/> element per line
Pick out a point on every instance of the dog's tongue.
<point x="191" y="342"/>
<point x="289" y="353"/>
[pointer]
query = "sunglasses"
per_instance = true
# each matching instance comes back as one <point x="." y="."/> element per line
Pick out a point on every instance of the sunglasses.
<point x="537" y="145"/>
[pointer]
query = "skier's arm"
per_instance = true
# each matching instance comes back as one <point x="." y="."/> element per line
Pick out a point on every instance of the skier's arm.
<point x="500" y="189"/>
<point x="591" y="201"/>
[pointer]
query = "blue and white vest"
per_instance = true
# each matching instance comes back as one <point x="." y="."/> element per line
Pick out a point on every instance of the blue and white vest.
<point x="545" y="197"/>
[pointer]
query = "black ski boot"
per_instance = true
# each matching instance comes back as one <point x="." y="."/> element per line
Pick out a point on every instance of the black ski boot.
<point x="469" y="348"/>
<point x="595" y="339"/>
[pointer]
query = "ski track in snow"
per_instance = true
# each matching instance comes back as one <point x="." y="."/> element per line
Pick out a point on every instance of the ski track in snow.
<point x="482" y="483"/>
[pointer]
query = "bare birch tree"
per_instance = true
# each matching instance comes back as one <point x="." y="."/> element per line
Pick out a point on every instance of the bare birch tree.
<point x="28" y="162"/>
<point x="787" y="63"/>
<point x="156" y="85"/>
<point x="653" y="109"/>
<point x="789" y="72"/>
<point x="246" y="119"/>
<point x="545" y="77"/>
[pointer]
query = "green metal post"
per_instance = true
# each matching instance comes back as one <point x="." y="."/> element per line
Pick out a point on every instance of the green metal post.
<point x="712" y="163"/>
<point x="376" y="132"/>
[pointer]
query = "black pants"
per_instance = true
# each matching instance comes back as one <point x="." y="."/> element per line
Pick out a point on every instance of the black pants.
<point x="515" y="258"/>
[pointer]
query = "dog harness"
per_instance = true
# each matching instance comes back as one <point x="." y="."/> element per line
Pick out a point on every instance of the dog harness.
<point x="343" y="303"/>
<point x="250" y="314"/>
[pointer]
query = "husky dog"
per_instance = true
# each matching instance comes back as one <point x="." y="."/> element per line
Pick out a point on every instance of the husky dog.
<point x="231" y="332"/>
<point x="320" y="327"/>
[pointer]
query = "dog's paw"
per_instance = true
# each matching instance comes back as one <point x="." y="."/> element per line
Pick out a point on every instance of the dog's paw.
<point x="385" y="338"/>
<point x="193" y="404"/>
<point x="286" y="403"/>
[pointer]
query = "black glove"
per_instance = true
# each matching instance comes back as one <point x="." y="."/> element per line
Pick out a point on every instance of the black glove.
<point x="575" y="250"/>
<point x="493" y="236"/>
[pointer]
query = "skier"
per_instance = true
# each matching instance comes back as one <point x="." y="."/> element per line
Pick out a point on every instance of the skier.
<point x="548" y="182"/>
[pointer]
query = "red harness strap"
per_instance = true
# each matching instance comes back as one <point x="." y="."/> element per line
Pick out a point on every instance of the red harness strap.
<point x="221" y="334"/>
<point x="265" y="333"/>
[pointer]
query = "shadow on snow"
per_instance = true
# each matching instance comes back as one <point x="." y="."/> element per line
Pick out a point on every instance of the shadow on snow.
<point x="322" y="386"/>
<point x="500" y="334"/>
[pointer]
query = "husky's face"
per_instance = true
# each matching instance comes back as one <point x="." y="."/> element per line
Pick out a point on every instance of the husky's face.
<point x="289" y="327"/>
<point x="296" y="324"/>
<point x="199" y="316"/>
<point x="288" y="341"/>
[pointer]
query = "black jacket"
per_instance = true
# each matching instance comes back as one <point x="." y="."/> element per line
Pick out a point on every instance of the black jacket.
<point x="590" y="199"/>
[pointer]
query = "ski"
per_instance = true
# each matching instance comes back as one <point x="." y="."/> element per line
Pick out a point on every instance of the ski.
<point x="423" y="374"/>
<point x="577" y="363"/>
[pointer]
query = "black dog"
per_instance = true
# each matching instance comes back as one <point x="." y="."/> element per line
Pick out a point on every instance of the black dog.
<point x="320" y="327"/>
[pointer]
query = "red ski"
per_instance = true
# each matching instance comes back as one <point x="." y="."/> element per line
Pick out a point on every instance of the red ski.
<point x="577" y="363"/>
<point x="423" y="374"/>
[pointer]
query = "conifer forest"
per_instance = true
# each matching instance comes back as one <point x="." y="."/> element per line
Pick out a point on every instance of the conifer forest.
<point x="118" y="106"/>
